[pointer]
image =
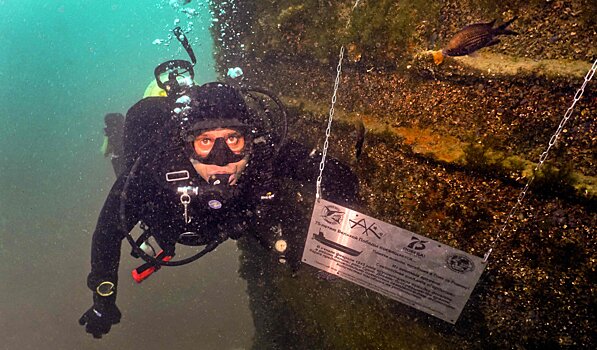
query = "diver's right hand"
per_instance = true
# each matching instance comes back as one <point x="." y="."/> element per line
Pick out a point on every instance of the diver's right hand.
<point x="100" y="317"/>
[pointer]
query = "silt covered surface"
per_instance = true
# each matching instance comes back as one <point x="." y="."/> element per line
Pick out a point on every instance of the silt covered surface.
<point x="538" y="288"/>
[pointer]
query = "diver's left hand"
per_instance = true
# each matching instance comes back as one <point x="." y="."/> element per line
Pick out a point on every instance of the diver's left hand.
<point x="98" y="320"/>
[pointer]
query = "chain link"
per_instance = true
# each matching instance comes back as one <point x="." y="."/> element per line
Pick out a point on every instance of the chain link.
<point x="329" y="127"/>
<point x="328" y="130"/>
<point x="542" y="158"/>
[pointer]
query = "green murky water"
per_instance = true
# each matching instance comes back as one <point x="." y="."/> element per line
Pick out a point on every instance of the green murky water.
<point x="64" y="64"/>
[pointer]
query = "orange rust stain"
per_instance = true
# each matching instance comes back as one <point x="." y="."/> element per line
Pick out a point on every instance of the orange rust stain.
<point x="424" y="141"/>
<point x="369" y="119"/>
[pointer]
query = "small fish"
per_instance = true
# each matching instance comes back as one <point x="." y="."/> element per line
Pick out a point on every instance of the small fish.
<point x="360" y="135"/>
<point x="472" y="38"/>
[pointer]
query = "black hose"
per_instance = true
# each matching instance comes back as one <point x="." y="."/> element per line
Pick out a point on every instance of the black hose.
<point x="284" y="121"/>
<point x="185" y="43"/>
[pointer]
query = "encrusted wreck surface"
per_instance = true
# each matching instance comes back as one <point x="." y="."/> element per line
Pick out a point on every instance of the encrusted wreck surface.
<point x="448" y="149"/>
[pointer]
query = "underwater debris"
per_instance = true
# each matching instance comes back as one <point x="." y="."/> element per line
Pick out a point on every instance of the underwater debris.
<point x="354" y="53"/>
<point x="472" y="38"/>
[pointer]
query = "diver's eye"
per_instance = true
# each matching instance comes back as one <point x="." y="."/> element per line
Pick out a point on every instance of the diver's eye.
<point x="203" y="145"/>
<point x="235" y="142"/>
<point x="205" y="142"/>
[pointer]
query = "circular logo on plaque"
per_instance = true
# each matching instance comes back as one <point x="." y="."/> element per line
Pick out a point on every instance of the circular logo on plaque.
<point x="460" y="263"/>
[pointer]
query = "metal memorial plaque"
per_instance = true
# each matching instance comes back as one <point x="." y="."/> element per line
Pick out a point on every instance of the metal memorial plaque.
<point x="413" y="269"/>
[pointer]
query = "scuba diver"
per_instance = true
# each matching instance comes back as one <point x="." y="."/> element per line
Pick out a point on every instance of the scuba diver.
<point x="201" y="165"/>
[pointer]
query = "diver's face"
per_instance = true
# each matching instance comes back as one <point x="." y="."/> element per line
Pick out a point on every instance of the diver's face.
<point x="228" y="146"/>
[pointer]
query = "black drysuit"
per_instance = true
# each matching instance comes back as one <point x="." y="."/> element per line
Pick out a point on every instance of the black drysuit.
<point x="156" y="202"/>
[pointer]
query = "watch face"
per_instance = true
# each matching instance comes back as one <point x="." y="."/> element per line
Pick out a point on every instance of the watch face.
<point x="105" y="288"/>
<point x="280" y="246"/>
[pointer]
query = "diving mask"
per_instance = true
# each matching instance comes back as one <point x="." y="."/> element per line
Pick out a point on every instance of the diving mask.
<point x="220" y="147"/>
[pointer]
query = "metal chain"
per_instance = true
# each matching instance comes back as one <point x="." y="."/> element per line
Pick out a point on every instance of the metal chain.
<point x="542" y="158"/>
<point x="329" y="128"/>
<point x="331" y="114"/>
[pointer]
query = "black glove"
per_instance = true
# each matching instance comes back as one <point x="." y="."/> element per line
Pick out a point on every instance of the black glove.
<point x="101" y="316"/>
